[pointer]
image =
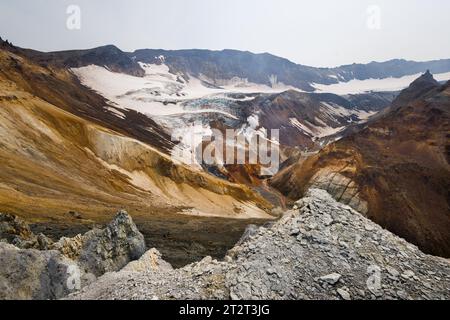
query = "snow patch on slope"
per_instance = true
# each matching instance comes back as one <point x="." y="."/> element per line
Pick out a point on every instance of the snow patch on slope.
<point x="116" y="112"/>
<point x="173" y="102"/>
<point x="315" y="131"/>
<point x="159" y="92"/>
<point x="330" y="119"/>
<point x="361" y="86"/>
<point x="301" y="126"/>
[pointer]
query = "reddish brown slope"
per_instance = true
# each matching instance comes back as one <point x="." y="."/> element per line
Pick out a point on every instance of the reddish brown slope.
<point x="396" y="169"/>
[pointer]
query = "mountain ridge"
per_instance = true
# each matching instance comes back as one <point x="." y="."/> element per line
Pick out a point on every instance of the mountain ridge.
<point x="219" y="65"/>
<point x="298" y="75"/>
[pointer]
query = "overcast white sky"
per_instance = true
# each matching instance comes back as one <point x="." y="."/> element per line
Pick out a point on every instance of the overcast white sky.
<point x="316" y="33"/>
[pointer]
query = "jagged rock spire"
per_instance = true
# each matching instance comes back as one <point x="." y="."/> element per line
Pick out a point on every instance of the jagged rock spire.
<point x="422" y="85"/>
<point x="424" y="81"/>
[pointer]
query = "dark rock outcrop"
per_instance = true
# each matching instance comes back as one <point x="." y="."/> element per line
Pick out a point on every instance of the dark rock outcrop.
<point x="16" y="231"/>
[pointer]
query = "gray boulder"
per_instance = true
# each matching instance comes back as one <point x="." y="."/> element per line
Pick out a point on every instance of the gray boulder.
<point x="33" y="274"/>
<point x="71" y="263"/>
<point x="150" y="261"/>
<point x="104" y="250"/>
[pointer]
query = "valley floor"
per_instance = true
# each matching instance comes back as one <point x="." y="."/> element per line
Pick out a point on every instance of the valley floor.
<point x="181" y="239"/>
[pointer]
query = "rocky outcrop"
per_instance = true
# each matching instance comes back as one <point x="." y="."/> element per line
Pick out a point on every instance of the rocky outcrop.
<point x="104" y="250"/>
<point x="71" y="263"/>
<point x="150" y="261"/>
<point x="322" y="250"/>
<point x="16" y="231"/>
<point x="34" y="274"/>
<point x="110" y="249"/>
<point x="341" y="188"/>
<point x="12" y="227"/>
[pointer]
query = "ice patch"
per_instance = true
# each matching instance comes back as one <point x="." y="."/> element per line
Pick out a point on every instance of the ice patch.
<point x="387" y="84"/>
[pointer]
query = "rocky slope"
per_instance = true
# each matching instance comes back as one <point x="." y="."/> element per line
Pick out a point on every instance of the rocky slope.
<point x="305" y="119"/>
<point x="46" y="270"/>
<point x="320" y="250"/>
<point x="218" y="67"/>
<point x="162" y="94"/>
<point x="47" y="84"/>
<point x="56" y="84"/>
<point x="55" y="160"/>
<point x="395" y="169"/>
<point x="109" y="56"/>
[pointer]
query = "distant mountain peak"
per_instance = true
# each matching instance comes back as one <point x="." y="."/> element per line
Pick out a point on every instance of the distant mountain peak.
<point x="427" y="76"/>
<point x="419" y="87"/>
<point x="108" y="48"/>
<point x="424" y="82"/>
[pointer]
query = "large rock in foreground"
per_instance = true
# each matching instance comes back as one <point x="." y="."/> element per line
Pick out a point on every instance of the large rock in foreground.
<point x="323" y="250"/>
<point x="105" y="250"/>
<point x="34" y="274"/>
<point x="70" y="264"/>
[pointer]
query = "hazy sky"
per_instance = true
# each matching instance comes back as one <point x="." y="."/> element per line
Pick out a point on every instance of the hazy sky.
<point x="317" y="33"/>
